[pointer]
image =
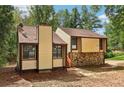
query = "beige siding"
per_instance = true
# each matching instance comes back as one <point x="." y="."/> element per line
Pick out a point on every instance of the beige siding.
<point x="65" y="38"/>
<point x="57" y="62"/>
<point x="45" y="47"/>
<point x="90" y="45"/>
<point x="28" y="64"/>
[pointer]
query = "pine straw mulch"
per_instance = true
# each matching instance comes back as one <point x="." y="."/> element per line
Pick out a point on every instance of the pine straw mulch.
<point x="106" y="75"/>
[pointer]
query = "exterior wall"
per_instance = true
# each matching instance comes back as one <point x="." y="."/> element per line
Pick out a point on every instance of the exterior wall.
<point x="78" y="45"/>
<point x="104" y="44"/>
<point x="87" y="58"/>
<point x="90" y="45"/>
<point x="65" y="38"/>
<point x="58" y="62"/>
<point x="61" y="62"/>
<point x="64" y="49"/>
<point x="28" y="64"/>
<point x="45" y="47"/>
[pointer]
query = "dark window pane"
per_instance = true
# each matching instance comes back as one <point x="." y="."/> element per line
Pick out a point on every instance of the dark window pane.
<point x="74" y="42"/>
<point x="29" y="51"/>
<point x="57" y="51"/>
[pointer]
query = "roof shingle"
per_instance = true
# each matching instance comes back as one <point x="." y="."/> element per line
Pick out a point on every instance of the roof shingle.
<point x="29" y="35"/>
<point x="57" y="39"/>
<point x="81" y="33"/>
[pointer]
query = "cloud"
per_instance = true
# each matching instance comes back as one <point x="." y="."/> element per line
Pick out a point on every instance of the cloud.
<point x="103" y="18"/>
<point x="23" y="9"/>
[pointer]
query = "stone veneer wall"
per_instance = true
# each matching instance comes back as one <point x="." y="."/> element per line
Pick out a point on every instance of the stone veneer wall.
<point x="87" y="58"/>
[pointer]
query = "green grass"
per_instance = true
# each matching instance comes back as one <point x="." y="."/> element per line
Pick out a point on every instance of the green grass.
<point x="117" y="56"/>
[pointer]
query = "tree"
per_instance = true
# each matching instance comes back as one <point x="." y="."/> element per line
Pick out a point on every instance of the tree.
<point x="89" y="20"/>
<point x="17" y="16"/>
<point x="42" y="14"/>
<point x="6" y="26"/>
<point x="116" y="17"/>
<point x="74" y="18"/>
<point x="64" y="18"/>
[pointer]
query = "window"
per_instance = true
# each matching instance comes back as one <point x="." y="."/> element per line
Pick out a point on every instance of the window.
<point x="101" y="46"/>
<point x="29" y="51"/>
<point x="57" y="51"/>
<point x="74" y="42"/>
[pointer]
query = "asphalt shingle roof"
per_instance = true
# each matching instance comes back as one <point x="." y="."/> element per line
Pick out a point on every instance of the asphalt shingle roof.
<point x="30" y="35"/>
<point x="81" y="33"/>
<point x="57" y="39"/>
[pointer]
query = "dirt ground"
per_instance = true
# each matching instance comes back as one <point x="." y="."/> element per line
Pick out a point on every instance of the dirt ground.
<point x="111" y="74"/>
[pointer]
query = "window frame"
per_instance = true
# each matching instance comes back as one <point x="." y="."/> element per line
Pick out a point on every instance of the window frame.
<point x="57" y="54"/>
<point x="76" y="43"/>
<point x="35" y="56"/>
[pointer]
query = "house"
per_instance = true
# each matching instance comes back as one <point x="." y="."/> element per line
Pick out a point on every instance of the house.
<point x="39" y="48"/>
<point x="84" y="47"/>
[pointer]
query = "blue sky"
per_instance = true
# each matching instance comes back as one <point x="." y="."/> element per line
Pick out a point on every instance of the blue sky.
<point x="69" y="7"/>
<point x="101" y="15"/>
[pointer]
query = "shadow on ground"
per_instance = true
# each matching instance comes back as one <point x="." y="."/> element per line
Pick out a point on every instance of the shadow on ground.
<point x="9" y="77"/>
<point x="60" y="75"/>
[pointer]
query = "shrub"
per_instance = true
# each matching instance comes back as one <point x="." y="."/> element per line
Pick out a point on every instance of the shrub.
<point x="109" y="53"/>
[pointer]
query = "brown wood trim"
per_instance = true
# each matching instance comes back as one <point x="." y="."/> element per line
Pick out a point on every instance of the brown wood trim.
<point x="38" y="49"/>
<point x="100" y="44"/>
<point x="52" y="49"/>
<point x="66" y="56"/>
<point x="106" y="44"/>
<point x="20" y="49"/>
<point x="90" y="37"/>
<point x="30" y="43"/>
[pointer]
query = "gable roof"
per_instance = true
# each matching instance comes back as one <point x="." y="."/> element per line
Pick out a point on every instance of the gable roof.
<point x="29" y="35"/>
<point x="81" y="33"/>
<point x="57" y="39"/>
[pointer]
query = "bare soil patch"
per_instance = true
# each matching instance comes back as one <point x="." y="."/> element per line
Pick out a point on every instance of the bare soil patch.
<point x="111" y="74"/>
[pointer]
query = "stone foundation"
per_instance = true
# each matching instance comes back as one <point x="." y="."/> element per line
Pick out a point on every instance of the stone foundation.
<point x="87" y="58"/>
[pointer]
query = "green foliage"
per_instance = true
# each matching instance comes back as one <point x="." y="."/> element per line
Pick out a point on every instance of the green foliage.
<point x="118" y="56"/>
<point x="74" y="18"/>
<point x="114" y="29"/>
<point x="109" y="53"/>
<point x="64" y="18"/>
<point x="89" y="20"/>
<point x="6" y="27"/>
<point x="41" y="14"/>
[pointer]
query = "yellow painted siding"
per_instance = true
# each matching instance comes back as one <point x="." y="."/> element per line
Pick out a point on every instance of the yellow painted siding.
<point x="28" y="64"/>
<point x="90" y="45"/>
<point x="45" y="47"/>
<point x="65" y="38"/>
<point x="57" y="62"/>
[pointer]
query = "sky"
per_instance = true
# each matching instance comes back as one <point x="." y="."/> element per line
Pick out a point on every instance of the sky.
<point x="101" y="15"/>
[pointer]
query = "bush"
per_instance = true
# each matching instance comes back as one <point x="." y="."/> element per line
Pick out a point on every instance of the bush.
<point x="109" y="54"/>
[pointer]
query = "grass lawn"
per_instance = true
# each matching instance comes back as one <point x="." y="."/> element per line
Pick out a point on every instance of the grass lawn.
<point x="117" y="56"/>
<point x="121" y="57"/>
